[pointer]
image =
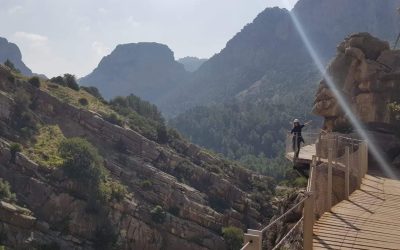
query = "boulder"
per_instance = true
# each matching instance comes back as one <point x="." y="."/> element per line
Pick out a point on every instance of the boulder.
<point x="367" y="74"/>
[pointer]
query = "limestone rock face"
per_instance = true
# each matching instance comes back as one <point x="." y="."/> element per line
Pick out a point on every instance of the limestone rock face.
<point x="199" y="192"/>
<point x="366" y="72"/>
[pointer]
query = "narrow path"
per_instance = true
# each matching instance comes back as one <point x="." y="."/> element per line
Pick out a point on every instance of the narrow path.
<point x="370" y="219"/>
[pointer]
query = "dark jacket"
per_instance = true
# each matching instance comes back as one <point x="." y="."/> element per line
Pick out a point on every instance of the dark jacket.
<point x="297" y="130"/>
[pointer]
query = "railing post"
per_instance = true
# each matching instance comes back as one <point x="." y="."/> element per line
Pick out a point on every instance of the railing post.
<point x="365" y="158"/>
<point x="347" y="174"/>
<point x="255" y="239"/>
<point x="329" y="194"/>
<point x="360" y="167"/>
<point x="308" y="222"/>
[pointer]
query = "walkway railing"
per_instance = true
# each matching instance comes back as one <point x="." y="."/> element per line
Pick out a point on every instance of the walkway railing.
<point x="332" y="152"/>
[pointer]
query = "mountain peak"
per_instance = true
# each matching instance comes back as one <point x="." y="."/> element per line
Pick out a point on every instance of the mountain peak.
<point x="11" y="52"/>
<point x="146" y="69"/>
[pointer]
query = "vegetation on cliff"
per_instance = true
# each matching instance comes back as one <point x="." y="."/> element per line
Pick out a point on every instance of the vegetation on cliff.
<point x="125" y="163"/>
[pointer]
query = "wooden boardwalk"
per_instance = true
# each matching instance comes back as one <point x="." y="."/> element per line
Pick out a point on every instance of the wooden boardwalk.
<point x="370" y="219"/>
<point x="305" y="155"/>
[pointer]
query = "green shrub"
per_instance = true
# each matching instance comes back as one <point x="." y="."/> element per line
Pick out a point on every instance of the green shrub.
<point x="300" y="182"/>
<point x="22" y="118"/>
<point x="34" y="81"/>
<point x="158" y="214"/>
<point x="5" y="192"/>
<point x="14" y="149"/>
<point x="118" y="191"/>
<point x="81" y="160"/>
<point x="146" y="184"/>
<point x="162" y="135"/>
<point x="58" y="80"/>
<point x="219" y="204"/>
<point x="113" y="118"/>
<point x="135" y="104"/>
<point x="233" y="237"/>
<point x="70" y="82"/>
<point x="174" y="134"/>
<point x="83" y="101"/>
<point x="94" y="92"/>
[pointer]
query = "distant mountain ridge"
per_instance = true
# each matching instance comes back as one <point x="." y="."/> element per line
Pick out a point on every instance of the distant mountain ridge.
<point x="265" y="77"/>
<point x="11" y="52"/>
<point x="191" y="63"/>
<point x="148" y="70"/>
<point x="271" y="46"/>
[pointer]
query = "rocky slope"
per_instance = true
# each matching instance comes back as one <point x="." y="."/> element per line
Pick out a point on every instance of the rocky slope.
<point x="148" y="70"/>
<point x="11" y="51"/>
<point x="198" y="193"/>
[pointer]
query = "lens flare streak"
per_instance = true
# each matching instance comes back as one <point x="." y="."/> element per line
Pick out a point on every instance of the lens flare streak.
<point x="373" y="149"/>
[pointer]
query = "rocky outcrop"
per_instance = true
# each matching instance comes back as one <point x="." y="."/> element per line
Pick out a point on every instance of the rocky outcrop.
<point x="11" y="52"/>
<point x="366" y="72"/>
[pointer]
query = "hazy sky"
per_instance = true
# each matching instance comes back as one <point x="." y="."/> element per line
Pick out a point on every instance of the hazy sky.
<point x="58" y="36"/>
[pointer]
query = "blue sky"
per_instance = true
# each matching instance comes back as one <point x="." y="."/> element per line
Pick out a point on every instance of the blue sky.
<point x="58" y="36"/>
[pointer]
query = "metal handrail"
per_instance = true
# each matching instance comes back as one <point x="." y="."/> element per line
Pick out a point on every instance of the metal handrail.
<point x="288" y="233"/>
<point x="286" y="213"/>
<point x="334" y="144"/>
<point x="246" y="245"/>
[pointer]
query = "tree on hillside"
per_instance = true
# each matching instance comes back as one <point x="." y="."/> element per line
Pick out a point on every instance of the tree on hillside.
<point x="70" y="81"/>
<point x="93" y="91"/>
<point x="11" y="65"/>
<point x="136" y="104"/>
<point x="82" y="160"/>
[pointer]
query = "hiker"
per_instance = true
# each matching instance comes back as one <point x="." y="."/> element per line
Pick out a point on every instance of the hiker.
<point x="297" y="137"/>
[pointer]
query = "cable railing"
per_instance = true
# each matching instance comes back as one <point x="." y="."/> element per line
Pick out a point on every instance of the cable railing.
<point x="330" y="152"/>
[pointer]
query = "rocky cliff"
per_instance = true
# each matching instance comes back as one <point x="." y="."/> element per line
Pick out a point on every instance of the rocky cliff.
<point x="148" y="70"/>
<point x="193" y="192"/>
<point x="367" y="74"/>
<point x="366" y="71"/>
<point x="11" y="51"/>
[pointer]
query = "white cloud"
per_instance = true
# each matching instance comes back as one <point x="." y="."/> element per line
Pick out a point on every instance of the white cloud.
<point x="35" y="39"/>
<point x="102" y="10"/>
<point x="15" y="9"/>
<point x="133" y="22"/>
<point x="100" y="49"/>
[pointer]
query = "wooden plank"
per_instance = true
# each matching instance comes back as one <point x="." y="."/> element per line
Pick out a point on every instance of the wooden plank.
<point x="368" y="220"/>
